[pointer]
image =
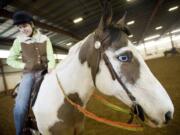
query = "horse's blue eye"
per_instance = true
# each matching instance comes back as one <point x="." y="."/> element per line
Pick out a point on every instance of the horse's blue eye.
<point x="123" y="58"/>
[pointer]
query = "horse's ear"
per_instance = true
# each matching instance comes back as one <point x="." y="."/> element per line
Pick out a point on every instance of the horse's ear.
<point x="106" y="18"/>
<point x="121" y="22"/>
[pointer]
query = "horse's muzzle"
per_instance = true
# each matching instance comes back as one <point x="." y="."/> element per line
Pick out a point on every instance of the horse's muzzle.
<point x="168" y="117"/>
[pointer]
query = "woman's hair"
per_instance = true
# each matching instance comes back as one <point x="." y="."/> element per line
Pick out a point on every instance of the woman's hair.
<point x="34" y="29"/>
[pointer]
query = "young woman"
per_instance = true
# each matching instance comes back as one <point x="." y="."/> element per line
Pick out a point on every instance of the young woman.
<point x="37" y="54"/>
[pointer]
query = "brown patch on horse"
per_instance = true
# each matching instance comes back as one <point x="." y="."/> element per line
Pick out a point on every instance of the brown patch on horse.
<point x="90" y="54"/>
<point x="131" y="70"/>
<point x="72" y="119"/>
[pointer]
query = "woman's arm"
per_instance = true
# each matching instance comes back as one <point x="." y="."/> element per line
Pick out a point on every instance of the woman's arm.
<point x="13" y="58"/>
<point x="50" y="56"/>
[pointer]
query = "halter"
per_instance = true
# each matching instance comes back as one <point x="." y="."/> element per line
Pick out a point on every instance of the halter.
<point x="136" y="108"/>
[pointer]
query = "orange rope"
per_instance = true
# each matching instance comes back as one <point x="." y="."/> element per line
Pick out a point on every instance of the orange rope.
<point x="131" y="127"/>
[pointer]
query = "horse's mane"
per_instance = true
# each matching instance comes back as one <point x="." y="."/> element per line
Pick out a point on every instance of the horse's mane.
<point x="72" y="52"/>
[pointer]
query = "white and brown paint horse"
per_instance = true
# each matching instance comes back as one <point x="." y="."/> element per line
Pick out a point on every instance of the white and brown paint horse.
<point x="105" y="60"/>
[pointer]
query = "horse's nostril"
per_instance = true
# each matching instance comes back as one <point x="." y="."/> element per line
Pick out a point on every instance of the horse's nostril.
<point x="168" y="117"/>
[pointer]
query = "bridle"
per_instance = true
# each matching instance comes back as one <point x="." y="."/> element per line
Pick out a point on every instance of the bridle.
<point x="135" y="108"/>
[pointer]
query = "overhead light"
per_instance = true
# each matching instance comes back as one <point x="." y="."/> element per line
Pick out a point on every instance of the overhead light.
<point x="130" y="22"/>
<point x="69" y="44"/>
<point x="128" y="0"/>
<point x="152" y="37"/>
<point x="175" y="31"/>
<point x="130" y="36"/>
<point x="159" y="27"/>
<point x="77" y="20"/>
<point x="173" y="8"/>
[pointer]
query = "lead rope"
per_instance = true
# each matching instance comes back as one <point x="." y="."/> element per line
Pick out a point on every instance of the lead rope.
<point x="110" y="105"/>
<point x="130" y="127"/>
<point x="114" y="107"/>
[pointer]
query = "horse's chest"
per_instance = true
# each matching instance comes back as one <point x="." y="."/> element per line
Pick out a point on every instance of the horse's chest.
<point x="68" y="115"/>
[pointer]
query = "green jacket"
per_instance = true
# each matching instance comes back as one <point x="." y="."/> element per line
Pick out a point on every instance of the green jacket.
<point x="16" y="50"/>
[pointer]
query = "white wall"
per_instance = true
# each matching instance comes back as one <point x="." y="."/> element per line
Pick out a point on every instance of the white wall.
<point x="11" y="79"/>
<point x="1" y="84"/>
<point x="12" y="76"/>
<point x="156" y="48"/>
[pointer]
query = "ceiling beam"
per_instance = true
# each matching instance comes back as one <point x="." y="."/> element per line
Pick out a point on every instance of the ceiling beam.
<point x="173" y="24"/>
<point x="7" y="14"/>
<point x="149" y="21"/>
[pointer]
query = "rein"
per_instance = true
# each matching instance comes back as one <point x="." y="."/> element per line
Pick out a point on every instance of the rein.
<point x="85" y="112"/>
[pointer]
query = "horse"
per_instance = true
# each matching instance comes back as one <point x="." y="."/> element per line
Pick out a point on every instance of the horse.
<point x="105" y="60"/>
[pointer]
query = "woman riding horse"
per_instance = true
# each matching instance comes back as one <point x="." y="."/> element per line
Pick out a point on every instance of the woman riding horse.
<point x="37" y="54"/>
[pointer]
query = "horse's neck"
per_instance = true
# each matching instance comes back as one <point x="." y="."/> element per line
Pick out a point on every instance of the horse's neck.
<point x="74" y="76"/>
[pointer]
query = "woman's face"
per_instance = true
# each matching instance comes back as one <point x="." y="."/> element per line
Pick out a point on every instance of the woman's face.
<point x="26" y="29"/>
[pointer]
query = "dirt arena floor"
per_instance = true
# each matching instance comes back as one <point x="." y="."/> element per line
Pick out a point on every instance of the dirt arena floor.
<point x="167" y="70"/>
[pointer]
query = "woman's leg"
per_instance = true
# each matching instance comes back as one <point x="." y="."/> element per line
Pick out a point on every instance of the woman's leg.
<point x="22" y="101"/>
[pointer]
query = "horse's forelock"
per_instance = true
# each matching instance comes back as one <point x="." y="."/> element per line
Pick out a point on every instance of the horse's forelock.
<point x="117" y="37"/>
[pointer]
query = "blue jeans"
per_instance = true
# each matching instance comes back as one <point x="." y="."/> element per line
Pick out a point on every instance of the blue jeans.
<point x="22" y="101"/>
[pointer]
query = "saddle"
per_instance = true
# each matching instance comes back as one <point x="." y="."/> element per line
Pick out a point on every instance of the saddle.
<point x="30" y="122"/>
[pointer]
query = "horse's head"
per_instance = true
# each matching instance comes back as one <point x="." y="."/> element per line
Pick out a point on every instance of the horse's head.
<point x="119" y="70"/>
